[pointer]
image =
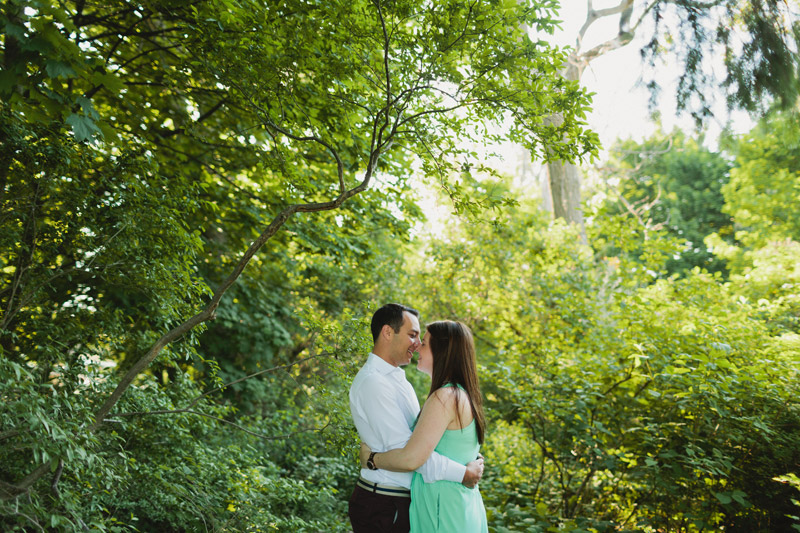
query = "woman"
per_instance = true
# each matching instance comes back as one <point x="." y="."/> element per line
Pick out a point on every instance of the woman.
<point x="452" y="423"/>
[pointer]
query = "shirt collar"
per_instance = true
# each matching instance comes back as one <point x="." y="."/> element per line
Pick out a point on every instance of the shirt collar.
<point x="382" y="366"/>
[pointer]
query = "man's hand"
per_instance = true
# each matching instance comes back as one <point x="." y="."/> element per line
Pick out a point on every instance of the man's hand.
<point x="474" y="472"/>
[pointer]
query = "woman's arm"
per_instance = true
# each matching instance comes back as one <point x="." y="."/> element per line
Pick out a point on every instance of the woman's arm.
<point x="437" y="413"/>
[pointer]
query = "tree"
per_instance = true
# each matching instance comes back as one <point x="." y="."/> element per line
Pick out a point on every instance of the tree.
<point x="135" y="137"/>
<point x="765" y="250"/>
<point x="765" y="182"/>
<point x="617" y="401"/>
<point x="671" y="183"/>
<point x="757" y="41"/>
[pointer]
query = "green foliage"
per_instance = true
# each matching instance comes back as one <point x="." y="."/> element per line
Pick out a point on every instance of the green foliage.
<point x="757" y="40"/>
<point x="38" y="427"/>
<point x="618" y="401"/>
<point x="79" y="246"/>
<point x="764" y="186"/>
<point x="794" y="481"/>
<point x="207" y="476"/>
<point x="145" y="147"/>
<point x="765" y="182"/>
<point x="172" y="458"/>
<point x="672" y="184"/>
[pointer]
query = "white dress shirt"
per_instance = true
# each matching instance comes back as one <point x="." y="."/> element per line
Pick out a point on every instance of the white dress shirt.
<point x="384" y="406"/>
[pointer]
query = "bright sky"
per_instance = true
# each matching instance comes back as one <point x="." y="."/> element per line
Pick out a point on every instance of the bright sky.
<point x="620" y="107"/>
<point x="619" y="104"/>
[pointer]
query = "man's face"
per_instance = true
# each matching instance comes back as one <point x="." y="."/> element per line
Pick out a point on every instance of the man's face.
<point x="406" y="341"/>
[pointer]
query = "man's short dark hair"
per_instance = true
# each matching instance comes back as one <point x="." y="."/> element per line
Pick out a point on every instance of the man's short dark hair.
<point x="391" y="314"/>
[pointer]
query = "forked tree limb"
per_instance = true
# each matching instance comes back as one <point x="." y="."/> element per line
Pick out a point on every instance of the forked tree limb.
<point x="382" y="137"/>
<point x="208" y="313"/>
<point x="8" y="490"/>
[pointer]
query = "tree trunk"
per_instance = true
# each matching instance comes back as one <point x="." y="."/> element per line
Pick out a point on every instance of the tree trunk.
<point x="563" y="179"/>
<point x="564" y="184"/>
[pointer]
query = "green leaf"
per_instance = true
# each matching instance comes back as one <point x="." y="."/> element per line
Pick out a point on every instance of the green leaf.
<point x="59" y="69"/>
<point x="739" y="497"/>
<point x="108" y="80"/>
<point x="83" y="127"/>
<point x="87" y="107"/>
<point x="15" y="31"/>
<point x="723" y="497"/>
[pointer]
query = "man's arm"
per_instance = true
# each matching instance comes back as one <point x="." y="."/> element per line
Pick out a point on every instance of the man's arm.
<point x="441" y="468"/>
<point x="385" y="419"/>
<point x="417" y="454"/>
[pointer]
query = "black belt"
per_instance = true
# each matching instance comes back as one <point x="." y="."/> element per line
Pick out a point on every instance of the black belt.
<point x="386" y="490"/>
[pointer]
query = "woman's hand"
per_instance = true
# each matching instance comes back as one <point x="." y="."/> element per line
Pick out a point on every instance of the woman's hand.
<point x="364" y="454"/>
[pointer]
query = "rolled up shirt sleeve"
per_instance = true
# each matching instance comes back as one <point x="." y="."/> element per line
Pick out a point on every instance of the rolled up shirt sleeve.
<point x="382" y="424"/>
<point x="441" y="468"/>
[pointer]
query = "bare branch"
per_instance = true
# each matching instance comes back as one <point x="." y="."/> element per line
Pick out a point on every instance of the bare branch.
<point x="387" y="73"/>
<point x="593" y="15"/>
<point x="581" y="490"/>
<point x="612" y="44"/>
<point x="260" y="372"/>
<point x="218" y="419"/>
<point x="625" y="8"/>
<point x="56" y="478"/>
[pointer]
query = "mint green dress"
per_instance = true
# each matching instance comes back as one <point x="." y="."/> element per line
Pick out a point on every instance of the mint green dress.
<point x="446" y="506"/>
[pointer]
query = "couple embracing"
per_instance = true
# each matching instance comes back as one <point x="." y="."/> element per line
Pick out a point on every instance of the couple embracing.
<point x="426" y="480"/>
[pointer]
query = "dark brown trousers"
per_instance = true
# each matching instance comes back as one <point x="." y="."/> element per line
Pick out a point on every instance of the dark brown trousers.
<point x="376" y="513"/>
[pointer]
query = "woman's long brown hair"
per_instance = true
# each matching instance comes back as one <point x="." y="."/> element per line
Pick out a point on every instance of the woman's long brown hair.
<point x="454" y="362"/>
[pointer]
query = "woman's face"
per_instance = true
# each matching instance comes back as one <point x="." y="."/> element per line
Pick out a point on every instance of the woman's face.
<point x="425" y="363"/>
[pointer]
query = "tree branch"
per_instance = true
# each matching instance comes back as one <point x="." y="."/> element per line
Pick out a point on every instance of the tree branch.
<point x="208" y="313"/>
<point x="218" y="419"/>
<point x="56" y="478"/>
<point x="581" y="60"/>
<point x="260" y="372"/>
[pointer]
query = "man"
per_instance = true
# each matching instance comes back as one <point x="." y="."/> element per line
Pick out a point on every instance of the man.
<point x="384" y="406"/>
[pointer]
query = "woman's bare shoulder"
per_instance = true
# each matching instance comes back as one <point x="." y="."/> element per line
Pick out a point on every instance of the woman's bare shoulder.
<point x="445" y="394"/>
<point x="449" y="394"/>
<point x="452" y="399"/>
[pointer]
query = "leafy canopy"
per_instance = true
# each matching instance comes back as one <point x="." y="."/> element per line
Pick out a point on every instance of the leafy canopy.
<point x="150" y="152"/>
